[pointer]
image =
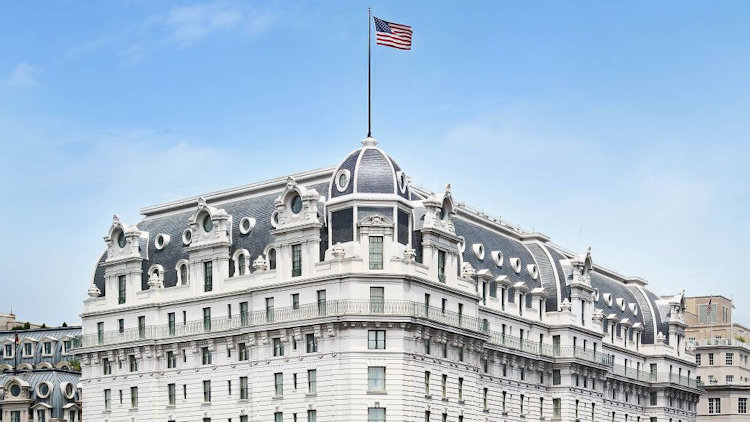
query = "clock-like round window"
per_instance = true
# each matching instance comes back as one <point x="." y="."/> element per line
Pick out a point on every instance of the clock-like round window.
<point x="15" y="390"/>
<point x="342" y="179"/>
<point x="69" y="391"/>
<point x="296" y="204"/>
<point x="44" y="389"/>
<point x="208" y="224"/>
<point x="121" y="240"/>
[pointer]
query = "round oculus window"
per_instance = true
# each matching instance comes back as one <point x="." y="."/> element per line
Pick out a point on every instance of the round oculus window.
<point x="15" y="390"/>
<point x="343" y="179"/>
<point x="121" y="240"/>
<point x="187" y="236"/>
<point x="69" y="390"/>
<point x="43" y="389"/>
<point x="208" y="224"/>
<point x="296" y="204"/>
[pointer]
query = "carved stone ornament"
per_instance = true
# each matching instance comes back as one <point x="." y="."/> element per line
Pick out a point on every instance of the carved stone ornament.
<point x="260" y="264"/>
<point x="338" y="251"/>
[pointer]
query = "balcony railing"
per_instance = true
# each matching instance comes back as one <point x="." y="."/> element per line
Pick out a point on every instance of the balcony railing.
<point x="329" y="308"/>
<point x="691" y="344"/>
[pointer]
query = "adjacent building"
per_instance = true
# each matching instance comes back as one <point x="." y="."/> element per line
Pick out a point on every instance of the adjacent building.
<point x="39" y="376"/>
<point x="721" y="353"/>
<point x="348" y="294"/>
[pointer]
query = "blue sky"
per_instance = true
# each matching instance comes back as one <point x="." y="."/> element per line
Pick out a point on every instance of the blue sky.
<point x="619" y="125"/>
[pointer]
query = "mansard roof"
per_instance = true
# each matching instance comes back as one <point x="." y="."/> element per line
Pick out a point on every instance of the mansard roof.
<point x="526" y="257"/>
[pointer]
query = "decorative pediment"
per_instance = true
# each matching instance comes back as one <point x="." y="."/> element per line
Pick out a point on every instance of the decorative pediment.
<point x="439" y="212"/>
<point x="123" y="242"/>
<point x="208" y="226"/>
<point x="296" y="206"/>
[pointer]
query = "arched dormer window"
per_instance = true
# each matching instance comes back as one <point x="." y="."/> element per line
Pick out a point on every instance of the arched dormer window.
<point x="272" y="259"/>
<point x="183" y="273"/>
<point x="241" y="260"/>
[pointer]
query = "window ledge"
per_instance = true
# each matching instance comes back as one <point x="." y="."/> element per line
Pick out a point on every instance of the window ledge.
<point x="277" y="398"/>
<point x="375" y="392"/>
<point x="311" y="394"/>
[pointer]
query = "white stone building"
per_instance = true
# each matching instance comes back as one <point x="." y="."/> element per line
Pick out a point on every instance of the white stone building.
<point x="346" y="294"/>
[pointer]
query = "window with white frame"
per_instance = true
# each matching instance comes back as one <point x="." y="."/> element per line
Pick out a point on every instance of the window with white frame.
<point x="714" y="405"/>
<point x="376" y="414"/>
<point x="376" y="339"/>
<point x="742" y="405"/>
<point x="730" y="358"/>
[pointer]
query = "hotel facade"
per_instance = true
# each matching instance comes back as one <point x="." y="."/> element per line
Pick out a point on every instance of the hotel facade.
<point x="348" y="294"/>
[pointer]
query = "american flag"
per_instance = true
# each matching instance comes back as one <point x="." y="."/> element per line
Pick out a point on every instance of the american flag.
<point x="392" y="34"/>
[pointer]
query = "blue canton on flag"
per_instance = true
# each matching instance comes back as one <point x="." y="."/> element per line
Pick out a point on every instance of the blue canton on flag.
<point x="392" y="34"/>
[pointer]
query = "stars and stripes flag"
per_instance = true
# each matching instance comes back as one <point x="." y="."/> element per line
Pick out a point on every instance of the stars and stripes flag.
<point x="708" y="309"/>
<point x="392" y="34"/>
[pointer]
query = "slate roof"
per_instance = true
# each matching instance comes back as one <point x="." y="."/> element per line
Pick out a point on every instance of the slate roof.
<point x="56" y="398"/>
<point x="40" y="336"/>
<point x="375" y="172"/>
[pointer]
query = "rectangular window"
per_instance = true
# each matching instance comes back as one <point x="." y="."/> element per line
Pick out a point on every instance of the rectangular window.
<point x="556" y="408"/>
<point x="133" y="363"/>
<point x="444" y="385"/>
<point x="311" y="343"/>
<point x="171" y="323"/>
<point x="376" y="252"/>
<point x="243" y="351"/>
<point x="171" y="394"/>
<point x="312" y="381"/>
<point x="295" y="301"/>
<point x="243" y="313"/>
<point x="698" y="359"/>
<point x="742" y="405"/>
<point x="47" y="348"/>
<point x="206" y="391"/>
<point x="376" y="339"/>
<point x="312" y="415"/>
<point x="556" y="377"/>
<point x="278" y="382"/>
<point x="278" y="347"/>
<point x="426" y="416"/>
<point x="714" y="405"/>
<point x="460" y="313"/>
<point x="141" y="327"/>
<point x="710" y="358"/>
<point x="121" y="289"/>
<point x="171" y="359"/>
<point x="106" y="366"/>
<point x="206" y="356"/>
<point x="296" y="260"/>
<point x="15" y="416"/>
<point x="208" y="276"/>
<point x="427" y="383"/>
<point x="376" y="414"/>
<point x="322" y="309"/>
<point x="243" y="388"/>
<point x="278" y="417"/>
<point x="652" y="398"/>
<point x="99" y="332"/>
<point x="133" y="397"/>
<point x="441" y="266"/>
<point x="107" y="399"/>
<point x="207" y="319"/>
<point x="541" y="408"/>
<point x="243" y="418"/>
<point x="461" y="354"/>
<point x="485" y="404"/>
<point x="269" y="309"/>
<point x="377" y="300"/>
<point x="730" y="358"/>
<point x="460" y="389"/>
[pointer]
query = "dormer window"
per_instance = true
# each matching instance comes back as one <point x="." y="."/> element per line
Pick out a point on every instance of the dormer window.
<point x="47" y="348"/>
<point x="121" y="240"/>
<point x="296" y="204"/>
<point x="28" y="350"/>
<point x="241" y="264"/>
<point x="15" y="390"/>
<point x="208" y="223"/>
<point x="9" y="351"/>
<point x="184" y="277"/>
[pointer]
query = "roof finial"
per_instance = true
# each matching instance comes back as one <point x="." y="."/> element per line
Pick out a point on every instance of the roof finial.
<point x="369" y="142"/>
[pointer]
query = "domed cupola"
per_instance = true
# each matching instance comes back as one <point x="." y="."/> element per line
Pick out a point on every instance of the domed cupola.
<point x="369" y="186"/>
<point x="369" y="170"/>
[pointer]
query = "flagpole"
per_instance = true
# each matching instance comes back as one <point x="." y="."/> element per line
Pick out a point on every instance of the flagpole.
<point x="369" y="72"/>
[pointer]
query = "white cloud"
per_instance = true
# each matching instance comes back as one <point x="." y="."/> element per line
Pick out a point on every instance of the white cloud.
<point x="23" y="76"/>
<point x="188" y="25"/>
